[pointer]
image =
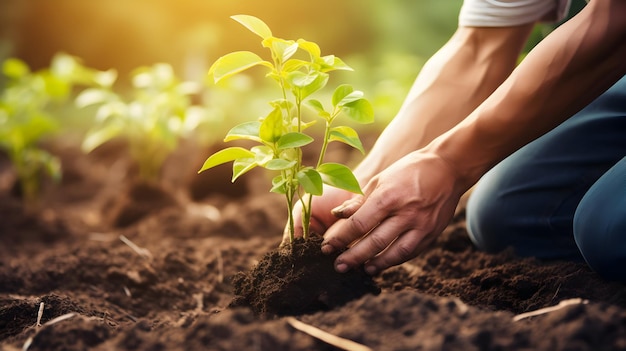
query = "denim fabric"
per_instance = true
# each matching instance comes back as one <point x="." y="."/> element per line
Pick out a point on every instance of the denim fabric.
<point x="562" y="196"/>
<point x="600" y="223"/>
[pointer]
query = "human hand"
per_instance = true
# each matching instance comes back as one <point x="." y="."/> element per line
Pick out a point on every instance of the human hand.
<point x="403" y="209"/>
<point x="321" y="216"/>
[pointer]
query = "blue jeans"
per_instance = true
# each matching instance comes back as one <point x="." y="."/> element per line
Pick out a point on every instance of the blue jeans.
<point x="562" y="196"/>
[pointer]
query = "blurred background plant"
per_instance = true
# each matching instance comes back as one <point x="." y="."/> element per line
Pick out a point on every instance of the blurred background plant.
<point x="27" y="103"/>
<point x="158" y="114"/>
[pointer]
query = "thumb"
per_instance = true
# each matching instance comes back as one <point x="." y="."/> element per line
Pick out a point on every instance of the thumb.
<point x="348" y="207"/>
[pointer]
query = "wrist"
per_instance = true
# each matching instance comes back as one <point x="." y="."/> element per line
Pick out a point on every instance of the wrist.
<point x="464" y="157"/>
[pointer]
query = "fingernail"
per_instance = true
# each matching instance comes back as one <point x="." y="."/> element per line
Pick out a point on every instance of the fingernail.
<point x="338" y="210"/>
<point x="327" y="249"/>
<point x="371" y="270"/>
<point x="341" y="267"/>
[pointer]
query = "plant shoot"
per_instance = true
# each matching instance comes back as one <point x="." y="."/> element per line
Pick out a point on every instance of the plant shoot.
<point x="299" y="70"/>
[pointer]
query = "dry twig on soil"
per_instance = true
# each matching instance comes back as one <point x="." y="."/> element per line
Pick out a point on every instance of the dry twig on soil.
<point x="541" y="311"/>
<point x="326" y="337"/>
<point x="143" y="252"/>
<point x="58" y="319"/>
<point x="39" y="315"/>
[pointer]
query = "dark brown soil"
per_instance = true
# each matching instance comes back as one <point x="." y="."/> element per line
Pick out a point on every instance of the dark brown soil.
<point x="296" y="279"/>
<point x="173" y="291"/>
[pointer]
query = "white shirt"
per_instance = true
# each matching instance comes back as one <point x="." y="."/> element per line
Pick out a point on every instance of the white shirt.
<point x="502" y="13"/>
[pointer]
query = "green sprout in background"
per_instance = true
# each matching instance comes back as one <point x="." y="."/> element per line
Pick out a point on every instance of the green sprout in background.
<point x="25" y="118"/>
<point x="300" y="70"/>
<point x="153" y="122"/>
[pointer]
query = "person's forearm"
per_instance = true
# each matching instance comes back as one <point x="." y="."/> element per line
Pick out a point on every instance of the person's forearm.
<point x="565" y="72"/>
<point x="466" y="70"/>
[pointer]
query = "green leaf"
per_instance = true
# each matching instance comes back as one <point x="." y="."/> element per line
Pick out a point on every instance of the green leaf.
<point x="93" y="96"/>
<point x="282" y="103"/>
<point x="278" y="164"/>
<point x="346" y="135"/>
<point x="311" y="181"/>
<point x="15" y="68"/>
<point x="226" y="155"/>
<point x="105" y="78"/>
<point x="254" y="24"/>
<point x="311" y="47"/>
<point x="294" y="65"/>
<point x="360" y="111"/>
<point x="350" y="98"/>
<point x="235" y="62"/>
<point x="101" y="135"/>
<point x="241" y="166"/>
<point x="278" y="185"/>
<point x="292" y="140"/>
<point x="304" y="84"/>
<point x="316" y="105"/>
<point x="331" y="63"/>
<point x="282" y="49"/>
<point x="65" y="65"/>
<point x="290" y="51"/>
<point x="244" y="131"/>
<point x="31" y="130"/>
<point x="341" y="92"/>
<point x="339" y="176"/>
<point x="262" y="154"/>
<point x="55" y="87"/>
<point x="344" y="95"/>
<point x="272" y="126"/>
<point x="113" y="109"/>
<point x="300" y="79"/>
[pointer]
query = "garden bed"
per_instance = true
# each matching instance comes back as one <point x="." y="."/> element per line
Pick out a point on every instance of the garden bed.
<point x="162" y="278"/>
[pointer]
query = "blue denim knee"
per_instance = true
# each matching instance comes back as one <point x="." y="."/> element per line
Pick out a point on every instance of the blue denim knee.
<point x="600" y="224"/>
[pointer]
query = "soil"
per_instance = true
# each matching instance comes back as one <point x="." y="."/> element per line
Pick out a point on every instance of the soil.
<point x="298" y="279"/>
<point x="171" y="272"/>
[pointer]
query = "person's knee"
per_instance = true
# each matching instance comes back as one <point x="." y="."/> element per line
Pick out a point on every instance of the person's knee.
<point x="486" y="221"/>
<point x="601" y="239"/>
<point x="600" y="224"/>
<point x="497" y="219"/>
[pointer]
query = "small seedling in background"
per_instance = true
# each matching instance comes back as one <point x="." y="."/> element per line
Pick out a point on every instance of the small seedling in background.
<point x="25" y="118"/>
<point x="299" y="70"/>
<point x="153" y="122"/>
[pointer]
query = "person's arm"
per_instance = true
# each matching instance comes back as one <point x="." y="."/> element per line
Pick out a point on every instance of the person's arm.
<point x="456" y="79"/>
<point x="408" y="204"/>
<point x="565" y="72"/>
<point x="467" y="69"/>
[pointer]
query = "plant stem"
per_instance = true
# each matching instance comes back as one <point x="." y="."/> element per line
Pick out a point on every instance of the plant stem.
<point x="307" y="216"/>
<point x="292" y="228"/>
<point x="324" y="143"/>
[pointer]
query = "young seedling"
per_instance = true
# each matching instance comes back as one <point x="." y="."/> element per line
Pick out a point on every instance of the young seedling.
<point x="300" y="70"/>
<point x="25" y="118"/>
<point x="153" y="122"/>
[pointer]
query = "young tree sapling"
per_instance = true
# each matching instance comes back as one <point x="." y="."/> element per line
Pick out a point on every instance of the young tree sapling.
<point x="300" y="70"/>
